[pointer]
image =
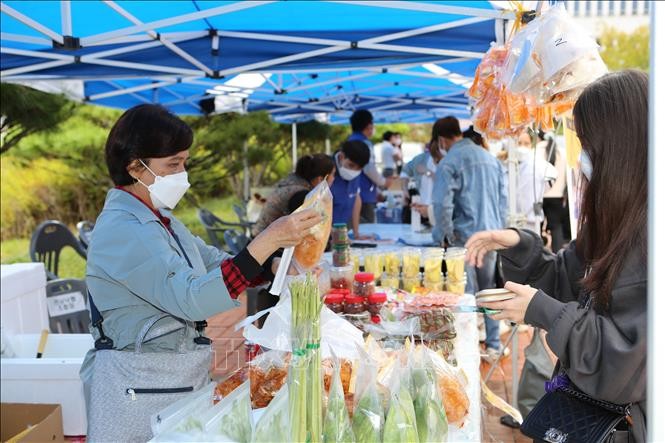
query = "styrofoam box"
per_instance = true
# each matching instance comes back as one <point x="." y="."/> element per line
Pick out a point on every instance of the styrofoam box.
<point x="52" y="379"/>
<point x="23" y="287"/>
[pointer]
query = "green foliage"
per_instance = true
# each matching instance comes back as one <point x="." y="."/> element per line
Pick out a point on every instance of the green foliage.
<point x="26" y="111"/>
<point x="621" y="50"/>
<point x="17" y="251"/>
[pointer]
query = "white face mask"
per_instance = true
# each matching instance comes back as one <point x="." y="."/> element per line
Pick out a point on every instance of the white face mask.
<point x="585" y="165"/>
<point x="167" y="191"/>
<point x="346" y="173"/>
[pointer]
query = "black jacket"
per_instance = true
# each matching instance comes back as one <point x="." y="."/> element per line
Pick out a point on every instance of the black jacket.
<point x="604" y="354"/>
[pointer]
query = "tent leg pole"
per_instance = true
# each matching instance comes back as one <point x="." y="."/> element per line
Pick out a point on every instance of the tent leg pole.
<point x="245" y="178"/>
<point x="328" y="146"/>
<point x="294" y="144"/>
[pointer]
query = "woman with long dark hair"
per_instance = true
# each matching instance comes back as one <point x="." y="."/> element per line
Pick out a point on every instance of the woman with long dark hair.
<point x="591" y="296"/>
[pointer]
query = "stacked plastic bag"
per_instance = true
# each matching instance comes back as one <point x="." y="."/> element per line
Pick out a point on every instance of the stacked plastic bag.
<point x="537" y="75"/>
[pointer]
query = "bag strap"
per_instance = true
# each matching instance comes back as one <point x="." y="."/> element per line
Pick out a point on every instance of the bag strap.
<point x="103" y="342"/>
<point x="148" y="333"/>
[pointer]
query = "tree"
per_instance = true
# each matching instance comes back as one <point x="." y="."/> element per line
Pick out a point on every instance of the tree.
<point x="621" y="50"/>
<point x="25" y="111"/>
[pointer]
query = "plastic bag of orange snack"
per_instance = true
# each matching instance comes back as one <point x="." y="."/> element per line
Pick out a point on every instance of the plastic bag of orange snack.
<point x="309" y="251"/>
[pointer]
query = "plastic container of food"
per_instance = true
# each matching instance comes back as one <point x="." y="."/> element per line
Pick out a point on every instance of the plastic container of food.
<point x="434" y="285"/>
<point x="335" y="302"/>
<point x="392" y="262"/>
<point x="363" y="284"/>
<point x="455" y="263"/>
<point x="340" y="234"/>
<point x="341" y="277"/>
<point x="456" y="287"/>
<point x="375" y="302"/>
<point x="410" y="262"/>
<point x="409" y="284"/>
<point x="354" y="304"/>
<point x="360" y="320"/>
<point x="390" y="281"/>
<point x="374" y="263"/>
<point x="341" y="255"/>
<point x="433" y="262"/>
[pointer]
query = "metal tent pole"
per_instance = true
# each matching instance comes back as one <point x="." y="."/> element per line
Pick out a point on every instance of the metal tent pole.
<point x="245" y="178"/>
<point x="294" y="144"/>
<point x="328" y="152"/>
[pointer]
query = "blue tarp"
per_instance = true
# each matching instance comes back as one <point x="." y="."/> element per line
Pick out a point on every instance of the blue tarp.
<point x="264" y="37"/>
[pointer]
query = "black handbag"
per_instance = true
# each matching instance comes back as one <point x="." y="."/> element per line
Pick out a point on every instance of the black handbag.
<point x="567" y="415"/>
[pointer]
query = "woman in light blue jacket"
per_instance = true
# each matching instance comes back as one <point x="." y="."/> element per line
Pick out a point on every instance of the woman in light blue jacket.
<point x="143" y="262"/>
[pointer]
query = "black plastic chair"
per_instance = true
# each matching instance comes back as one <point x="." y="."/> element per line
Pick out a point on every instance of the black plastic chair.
<point x="235" y="241"/>
<point x="84" y="229"/>
<point x="241" y="213"/>
<point x="68" y="307"/>
<point x="47" y="242"/>
<point x="215" y="227"/>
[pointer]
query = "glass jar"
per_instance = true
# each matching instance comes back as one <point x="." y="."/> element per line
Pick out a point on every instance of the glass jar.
<point x="433" y="262"/>
<point x="340" y="234"/>
<point x="410" y="262"/>
<point x="341" y="277"/>
<point x="360" y="320"/>
<point x="456" y="287"/>
<point x="363" y="284"/>
<point x="335" y="302"/>
<point x="392" y="262"/>
<point x="354" y="304"/>
<point x="390" y="281"/>
<point x="455" y="263"/>
<point x="341" y="255"/>
<point x="375" y="302"/>
<point x="410" y="284"/>
<point x="374" y="263"/>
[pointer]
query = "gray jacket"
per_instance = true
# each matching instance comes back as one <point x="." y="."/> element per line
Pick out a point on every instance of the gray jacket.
<point x="604" y="354"/>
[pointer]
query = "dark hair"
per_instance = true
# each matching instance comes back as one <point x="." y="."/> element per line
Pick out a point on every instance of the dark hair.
<point x="144" y="131"/>
<point x="311" y="166"/>
<point x="447" y="127"/>
<point x="357" y="152"/>
<point x="388" y="135"/>
<point x="474" y="136"/>
<point x="361" y="119"/>
<point x="611" y="120"/>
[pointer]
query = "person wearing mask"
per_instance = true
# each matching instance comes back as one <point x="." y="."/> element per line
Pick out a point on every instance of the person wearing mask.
<point x="554" y="208"/>
<point x="389" y="154"/>
<point x="349" y="163"/>
<point x="469" y="196"/>
<point x="399" y="154"/>
<point x="362" y="125"/>
<point x="152" y="283"/>
<point x="290" y="192"/>
<point x="534" y="176"/>
<point x="591" y="297"/>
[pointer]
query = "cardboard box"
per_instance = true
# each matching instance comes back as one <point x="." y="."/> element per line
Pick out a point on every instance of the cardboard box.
<point x="22" y="422"/>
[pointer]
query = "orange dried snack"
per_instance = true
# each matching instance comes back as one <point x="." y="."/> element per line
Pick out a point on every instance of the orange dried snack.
<point x="455" y="400"/>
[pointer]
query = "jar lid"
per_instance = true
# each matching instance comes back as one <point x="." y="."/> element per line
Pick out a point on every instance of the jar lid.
<point x="354" y="299"/>
<point x="452" y="253"/>
<point x="340" y="269"/>
<point x="364" y="277"/>
<point x="339" y="226"/>
<point x="334" y="297"/>
<point x="378" y="297"/>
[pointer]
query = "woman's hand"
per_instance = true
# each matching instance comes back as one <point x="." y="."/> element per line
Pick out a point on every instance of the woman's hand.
<point x="284" y="232"/>
<point x="483" y="242"/>
<point x="514" y="309"/>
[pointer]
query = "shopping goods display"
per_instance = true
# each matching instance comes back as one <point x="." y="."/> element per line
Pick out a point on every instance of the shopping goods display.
<point x="274" y="424"/>
<point x="309" y="251"/>
<point x="231" y="418"/>
<point x="336" y="422"/>
<point x="368" y="414"/>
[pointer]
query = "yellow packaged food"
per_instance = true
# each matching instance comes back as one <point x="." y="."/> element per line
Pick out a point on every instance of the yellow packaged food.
<point x="410" y="262"/>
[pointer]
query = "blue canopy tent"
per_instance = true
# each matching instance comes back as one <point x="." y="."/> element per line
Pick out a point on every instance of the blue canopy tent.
<point x="317" y="57"/>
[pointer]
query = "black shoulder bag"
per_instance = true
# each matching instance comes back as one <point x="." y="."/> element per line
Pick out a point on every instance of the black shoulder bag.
<point x="567" y="415"/>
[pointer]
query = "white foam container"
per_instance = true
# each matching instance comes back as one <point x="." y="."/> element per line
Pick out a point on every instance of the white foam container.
<point x="52" y="379"/>
<point x="23" y="289"/>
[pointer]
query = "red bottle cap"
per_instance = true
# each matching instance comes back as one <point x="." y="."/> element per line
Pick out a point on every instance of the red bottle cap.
<point x="364" y="277"/>
<point x="354" y="299"/>
<point x="379" y="297"/>
<point x="334" y="298"/>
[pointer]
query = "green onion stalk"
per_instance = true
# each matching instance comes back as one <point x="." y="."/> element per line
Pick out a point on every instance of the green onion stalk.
<point x="305" y="381"/>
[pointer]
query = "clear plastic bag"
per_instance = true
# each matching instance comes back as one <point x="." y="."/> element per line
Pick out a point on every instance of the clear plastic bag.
<point x="181" y="420"/>
<point x="273" y="426"/>
<point x="368" y="414"/>
<point x="431" y="419"/>
<point x="336" y="422"/>
<point x="309" y="251"/>
<point x="401" y="423"/>
<point x="452" y="383"/>
<point x="231" y="418"/>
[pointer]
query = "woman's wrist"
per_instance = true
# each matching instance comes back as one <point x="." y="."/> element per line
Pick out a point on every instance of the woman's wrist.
<point x="261" y="248"/>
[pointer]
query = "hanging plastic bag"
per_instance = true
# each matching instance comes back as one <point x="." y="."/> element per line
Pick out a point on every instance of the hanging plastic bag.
<point x="181" y="420"/>
<point x="273" y="425"/>
<point x="452" y="383"/>
<point x="230" y="419"/>
<point x="368" y="412"/>
<point x="309" y="251"/>
<point x="401" y="422"/>
<point x="431" y="417"/>
<point x="336" y="422"/>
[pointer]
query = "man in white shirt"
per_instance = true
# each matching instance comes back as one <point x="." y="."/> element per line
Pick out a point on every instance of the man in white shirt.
<point x="389" y="154"/>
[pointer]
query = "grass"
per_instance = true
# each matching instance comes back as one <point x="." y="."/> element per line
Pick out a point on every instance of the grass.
<point x="72" y="265"/>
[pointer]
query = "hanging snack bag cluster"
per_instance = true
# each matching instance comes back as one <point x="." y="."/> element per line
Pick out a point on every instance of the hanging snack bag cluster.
<point x="309" y="251"/>
<point x="536" y="76"/>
